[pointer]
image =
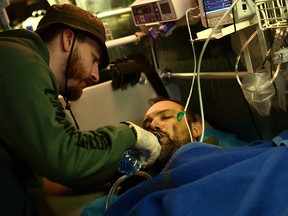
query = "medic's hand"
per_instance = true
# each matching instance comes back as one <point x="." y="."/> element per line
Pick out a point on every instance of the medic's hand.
<point x="147" y="142"/>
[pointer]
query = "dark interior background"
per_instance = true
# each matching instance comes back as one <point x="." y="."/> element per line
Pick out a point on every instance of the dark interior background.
<point x="224" y="105"/>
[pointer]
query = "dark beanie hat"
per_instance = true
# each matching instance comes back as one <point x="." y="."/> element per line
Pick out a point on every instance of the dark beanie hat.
<point x="78" y="19"/>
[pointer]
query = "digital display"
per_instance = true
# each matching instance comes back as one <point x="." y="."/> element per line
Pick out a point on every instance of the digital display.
<point x="216" y="5"/>
<point x="156" y="11"/>
<point x="165" y="8"/>
<point x="142" y="10"/>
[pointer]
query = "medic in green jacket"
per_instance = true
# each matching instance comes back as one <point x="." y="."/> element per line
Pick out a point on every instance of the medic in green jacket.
<point x="36" y="135"/>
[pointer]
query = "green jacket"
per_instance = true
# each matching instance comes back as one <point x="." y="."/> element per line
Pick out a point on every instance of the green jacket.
<point x="36" y="135"/>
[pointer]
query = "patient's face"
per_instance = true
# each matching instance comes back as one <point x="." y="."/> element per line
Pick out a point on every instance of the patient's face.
<point x="162" y="117"/>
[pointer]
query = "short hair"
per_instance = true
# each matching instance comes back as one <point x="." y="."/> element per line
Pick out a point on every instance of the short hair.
<point x="191" y="117"/>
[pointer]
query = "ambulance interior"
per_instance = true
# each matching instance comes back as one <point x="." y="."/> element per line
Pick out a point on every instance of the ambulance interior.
<point x="229" y="65"/>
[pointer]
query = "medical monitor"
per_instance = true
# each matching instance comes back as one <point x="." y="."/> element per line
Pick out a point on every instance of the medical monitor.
<point x="149" y="12"/>
<point x="211" y="11"/>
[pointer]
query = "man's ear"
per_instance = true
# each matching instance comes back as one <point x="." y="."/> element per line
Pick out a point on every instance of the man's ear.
<point x="196" y="129"/>
<point x="67" y="39"/>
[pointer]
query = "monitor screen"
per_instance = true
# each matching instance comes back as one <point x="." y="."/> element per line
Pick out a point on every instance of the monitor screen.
<point x="165" y="8"/>
<point x="145" y="9"/>
<point x="212" y="6"/>
<point x="212" y="11"/>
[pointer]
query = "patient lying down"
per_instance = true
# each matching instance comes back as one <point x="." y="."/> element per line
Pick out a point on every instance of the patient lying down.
<point x="166" y="116"/>
<point x="163" y="117"/>
<point x="205" y="179"/>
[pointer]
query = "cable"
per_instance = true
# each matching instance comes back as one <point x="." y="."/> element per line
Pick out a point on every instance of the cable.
<point x="68" y="106"/>
<point x="268" y="83"/>
<point x="249" y="107"/>
<point x="241" y="51"/>
<point x="195" y="64"/>
<point x="200" y="62"/>
<point x="3" y="14"/>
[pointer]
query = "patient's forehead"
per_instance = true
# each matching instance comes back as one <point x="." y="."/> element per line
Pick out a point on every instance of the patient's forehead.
<point x="164" y="105"/>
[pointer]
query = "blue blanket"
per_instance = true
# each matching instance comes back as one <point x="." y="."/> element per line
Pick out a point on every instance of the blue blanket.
<point x="203" y="179"/>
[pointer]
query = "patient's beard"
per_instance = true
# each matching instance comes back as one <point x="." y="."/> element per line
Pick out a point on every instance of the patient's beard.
<point x="168" y="148"/>
<point x="169" y="145"/>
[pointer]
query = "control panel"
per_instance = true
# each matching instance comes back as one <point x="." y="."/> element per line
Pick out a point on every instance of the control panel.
<point x="149" y="12"/>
